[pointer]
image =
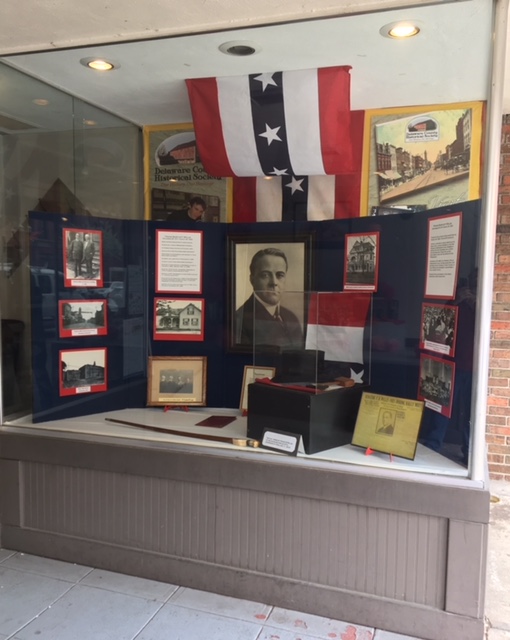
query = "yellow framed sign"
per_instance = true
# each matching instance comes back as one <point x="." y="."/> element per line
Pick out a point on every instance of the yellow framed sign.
<point x="388" y="424"/>
<point x="423" y="157"/>
<point x="174" y="174"/>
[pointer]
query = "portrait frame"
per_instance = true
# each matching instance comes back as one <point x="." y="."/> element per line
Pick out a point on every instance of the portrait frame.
<point x="171" y="183"/>
<point x="173" y="320"/>
<point x="191" y="369"/>
<point x="72" y="264"/>
<point x="82" y="371"/>
<point x="383" y="172"/>
<point x="72" y="312"/>
<point x="436" y="384"/>
<point x="240" y="251"/>
<point x="251" y="374"/>
<point x="361" y="269"/>
<point x="434" y="336"/>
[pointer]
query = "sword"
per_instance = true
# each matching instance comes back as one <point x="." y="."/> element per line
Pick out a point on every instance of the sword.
<point x="238" y="442"/>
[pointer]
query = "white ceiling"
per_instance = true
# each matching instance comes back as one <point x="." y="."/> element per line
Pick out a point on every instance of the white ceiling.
<point x="448" y="62"/>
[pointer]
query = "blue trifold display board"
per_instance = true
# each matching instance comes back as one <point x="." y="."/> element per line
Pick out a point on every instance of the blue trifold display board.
<point x="129" y="257"/>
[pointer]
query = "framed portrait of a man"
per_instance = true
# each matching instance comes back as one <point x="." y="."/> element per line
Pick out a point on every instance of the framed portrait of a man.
<point x="268" y="278"/>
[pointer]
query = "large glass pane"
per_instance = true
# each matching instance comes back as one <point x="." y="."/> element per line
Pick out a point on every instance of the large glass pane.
<point x="60" y="156"/>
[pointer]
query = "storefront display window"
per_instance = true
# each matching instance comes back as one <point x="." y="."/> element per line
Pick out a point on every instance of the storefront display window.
<point x="103" y="293"/>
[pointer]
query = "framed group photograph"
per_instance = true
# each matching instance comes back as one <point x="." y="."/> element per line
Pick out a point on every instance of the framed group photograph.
<point x="177" y="380"/>
<point x="82" y="318"/>
<point x="425" y="155"/>
<point x="435" y="387"/>
<point x="181" y="319"/>
<point x="174" y="175"/>
<point x="83" y="258"/>
<point x="439" y="328"/>
<point x="82" y="371"/>
<point x="361" y="271"/>
<point x="250" y="375"/>
<point x="267" y="281"/>
<point x="388" y="424"/>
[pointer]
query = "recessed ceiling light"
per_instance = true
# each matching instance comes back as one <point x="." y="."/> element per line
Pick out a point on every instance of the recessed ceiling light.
<point x="99" y="64"/>
<point x="239" y="48"/>
<point x="400" y="30"/>
<point x="89" y="123"/>
<point x="41" y="102"/>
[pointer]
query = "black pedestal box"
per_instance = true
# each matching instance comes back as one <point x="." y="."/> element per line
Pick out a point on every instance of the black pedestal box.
<point x="325" y="420"/>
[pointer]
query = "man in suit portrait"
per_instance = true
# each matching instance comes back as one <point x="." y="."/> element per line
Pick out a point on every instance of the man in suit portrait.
<point x="89" y="250"/>
<point x="75" y="254"/>
<point x="387" y="426"/>
<point x="262" y="319"/>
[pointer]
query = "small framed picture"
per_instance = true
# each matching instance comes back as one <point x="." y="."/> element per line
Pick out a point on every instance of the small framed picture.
<point x="83" y="258"/>
<point x="82" y="318"/>
<point x="250" y="375"/>
<point x="176" y="380"/>
<point x="435" y="388"/>
<point x="439" y="328"/>
<point x="361" y="271"/>
<point x="82" y="371"/>
<point x="182" y="319"/>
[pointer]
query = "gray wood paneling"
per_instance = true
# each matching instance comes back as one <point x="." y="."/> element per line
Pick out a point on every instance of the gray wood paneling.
<point x="466" y="579"/>
<point x="10" y="496"/>
<point x="387" y="553"/>
<point x="250" y="470"/>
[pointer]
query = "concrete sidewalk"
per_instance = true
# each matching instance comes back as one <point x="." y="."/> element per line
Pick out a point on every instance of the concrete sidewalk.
<point x="497" y="601"/>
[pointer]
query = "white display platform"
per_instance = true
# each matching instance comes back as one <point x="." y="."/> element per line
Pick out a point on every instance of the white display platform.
<point x="97" y="427"/>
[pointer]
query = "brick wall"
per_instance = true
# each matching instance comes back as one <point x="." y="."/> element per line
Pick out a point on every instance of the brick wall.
<point x="498" y="412"/>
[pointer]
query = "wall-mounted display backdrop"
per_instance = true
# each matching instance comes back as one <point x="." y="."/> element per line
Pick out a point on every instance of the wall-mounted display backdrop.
<point x="409" y="355"/>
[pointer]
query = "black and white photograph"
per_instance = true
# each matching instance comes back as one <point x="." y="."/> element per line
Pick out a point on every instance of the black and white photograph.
<point x="176" y="380"/>
<point x="361" y="271"/>
<point x="83" y="258"/>
<point x="386" y="422"/>
<point x="82" y="371"/>
<point x="439" y="328"/>
<point x="267" y="281"/>
<point x="436" y="384"/>
<point x="181" y="319"/>
<point x="82" y="318"/>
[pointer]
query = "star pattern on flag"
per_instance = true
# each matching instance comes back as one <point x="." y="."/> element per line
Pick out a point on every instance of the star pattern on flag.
<point x="266" y="79"/>
<point x="357" y="377"/>
<point x="295" y="185"/>
<point x="278" y="172"/>
<point x="271" y="134"/>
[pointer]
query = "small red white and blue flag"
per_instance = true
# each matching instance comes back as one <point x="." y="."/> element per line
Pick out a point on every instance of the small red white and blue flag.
<point x="287" y="123"/>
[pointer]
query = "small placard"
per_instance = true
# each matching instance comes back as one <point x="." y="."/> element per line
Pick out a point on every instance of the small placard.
<point x="388" y="424"/>
<point x="280" y="441"/>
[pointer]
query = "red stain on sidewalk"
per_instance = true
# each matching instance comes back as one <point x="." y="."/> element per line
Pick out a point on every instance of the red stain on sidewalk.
<point x="351" y="633"/>
<point x="260" y="616"/>
<point x="301" y="624"/>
